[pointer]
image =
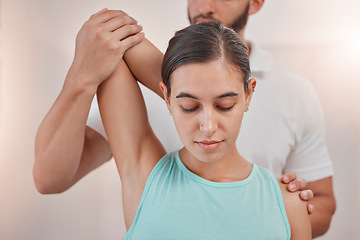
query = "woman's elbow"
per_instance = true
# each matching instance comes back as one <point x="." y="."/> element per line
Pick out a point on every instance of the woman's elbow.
<point x="45" y="183"/>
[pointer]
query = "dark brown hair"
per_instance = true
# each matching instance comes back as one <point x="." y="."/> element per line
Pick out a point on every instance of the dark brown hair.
<point x="202" y="43"/>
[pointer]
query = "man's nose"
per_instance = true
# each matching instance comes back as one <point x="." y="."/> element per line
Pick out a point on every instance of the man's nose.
<point x="207" y="6"/>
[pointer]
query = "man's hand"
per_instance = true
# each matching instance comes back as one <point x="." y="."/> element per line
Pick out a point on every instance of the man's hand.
<point x="101" y="43"/>
<point x="294" y="185"/>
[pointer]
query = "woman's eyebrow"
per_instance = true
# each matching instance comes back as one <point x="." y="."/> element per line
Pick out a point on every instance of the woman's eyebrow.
<point x="186" y="95"/>
<point x="228" y="94"/>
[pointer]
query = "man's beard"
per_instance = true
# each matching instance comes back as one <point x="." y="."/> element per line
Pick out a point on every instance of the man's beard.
<point x="237" y="25"/>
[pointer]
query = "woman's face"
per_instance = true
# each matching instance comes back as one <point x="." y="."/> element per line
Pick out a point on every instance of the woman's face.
<point x="207" y="103"/>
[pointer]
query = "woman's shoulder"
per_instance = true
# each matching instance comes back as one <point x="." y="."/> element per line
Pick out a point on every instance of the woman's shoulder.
<point x="296" y="211"/>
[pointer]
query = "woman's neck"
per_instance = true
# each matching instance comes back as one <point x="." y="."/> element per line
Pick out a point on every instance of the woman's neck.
<point x="231" y="168"/>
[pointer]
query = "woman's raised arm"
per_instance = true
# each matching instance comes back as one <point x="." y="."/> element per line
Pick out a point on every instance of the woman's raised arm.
<point x="133" y="143"/>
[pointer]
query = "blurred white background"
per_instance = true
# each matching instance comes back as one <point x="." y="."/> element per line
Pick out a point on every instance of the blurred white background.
<point x="319" y="40"/>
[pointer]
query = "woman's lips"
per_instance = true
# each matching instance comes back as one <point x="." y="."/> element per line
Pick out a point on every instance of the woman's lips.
<point x="208" y="145"/>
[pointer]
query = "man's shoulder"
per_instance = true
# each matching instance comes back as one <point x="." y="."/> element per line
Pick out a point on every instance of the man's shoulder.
<point x="289" y="76"/>
<point x="265" y="67"/>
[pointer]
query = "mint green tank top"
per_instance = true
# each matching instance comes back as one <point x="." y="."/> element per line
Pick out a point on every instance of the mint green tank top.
<point x="178" y="204"/>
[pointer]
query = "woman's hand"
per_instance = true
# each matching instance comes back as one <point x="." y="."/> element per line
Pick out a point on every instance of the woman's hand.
<point x="101" y="43"/>
<point x="294" y="185"/>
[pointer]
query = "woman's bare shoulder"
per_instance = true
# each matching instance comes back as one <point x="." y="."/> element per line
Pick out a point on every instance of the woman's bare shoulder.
<point x="296" y="210"/>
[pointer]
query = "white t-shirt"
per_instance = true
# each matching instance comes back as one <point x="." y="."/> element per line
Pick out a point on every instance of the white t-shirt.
<point x="283" y="130"/>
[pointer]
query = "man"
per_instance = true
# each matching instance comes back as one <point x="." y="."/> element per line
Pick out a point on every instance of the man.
<point x="283" y="132"/>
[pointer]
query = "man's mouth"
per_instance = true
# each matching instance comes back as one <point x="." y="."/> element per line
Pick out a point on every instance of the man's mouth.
<point x="203" y="18"/>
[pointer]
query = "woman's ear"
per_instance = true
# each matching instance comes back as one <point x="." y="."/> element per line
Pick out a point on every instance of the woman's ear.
<point x="251" y="88"/>
<point x="164" y="90"/>
<point x="255" y="6"/>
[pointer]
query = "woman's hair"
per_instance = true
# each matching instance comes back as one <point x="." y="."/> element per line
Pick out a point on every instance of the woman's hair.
<point x="203" y="43"/>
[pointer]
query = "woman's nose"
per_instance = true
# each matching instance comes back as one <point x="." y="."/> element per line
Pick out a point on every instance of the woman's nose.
<point x="208" y="124"/>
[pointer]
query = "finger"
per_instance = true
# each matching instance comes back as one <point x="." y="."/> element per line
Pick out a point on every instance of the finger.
<point x="296" y="185"/>
<point x="97" y="13"/>
<point x="126" y="31"/>
<point x="106" y="16"/>
<point x="306" y="195"/>
<point x="132" y="41"/>
<point x="118" y="22"/>
<point x="288" y="177"/>
<point x="310" y="208"/>
<point x="302" y="183"/>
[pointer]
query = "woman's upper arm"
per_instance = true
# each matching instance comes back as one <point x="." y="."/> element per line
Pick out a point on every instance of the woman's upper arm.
<point x="133" y="143"/>
<point x="297" y="214"/>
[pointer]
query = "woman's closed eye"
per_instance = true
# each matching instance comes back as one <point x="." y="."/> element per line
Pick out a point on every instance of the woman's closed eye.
<point x="189" y="109"/>
<point x="225" y="108"/>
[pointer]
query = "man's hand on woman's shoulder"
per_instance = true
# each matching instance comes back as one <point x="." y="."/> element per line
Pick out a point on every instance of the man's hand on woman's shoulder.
<point x="293" y="185"/>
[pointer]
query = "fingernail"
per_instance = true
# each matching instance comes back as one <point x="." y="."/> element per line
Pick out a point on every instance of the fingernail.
<point x="292" y="186"/>
<point x="286" y="179"/>
<point x="311" y="208"/>
<point x="303" y="195"/>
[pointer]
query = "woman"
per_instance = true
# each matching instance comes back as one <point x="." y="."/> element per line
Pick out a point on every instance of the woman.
<point x="206" y="190"/>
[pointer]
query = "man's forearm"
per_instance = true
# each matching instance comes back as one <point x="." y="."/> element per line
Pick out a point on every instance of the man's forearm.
<point x="144" y="61"/>
<point x="60" y="138"/>
<point x="324" y="203"/>
<point x="321" y="218"/>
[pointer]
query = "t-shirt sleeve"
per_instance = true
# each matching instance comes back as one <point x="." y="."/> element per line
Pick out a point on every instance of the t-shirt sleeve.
<point x="310" y="158"/>
<point x="94" y="119"/>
